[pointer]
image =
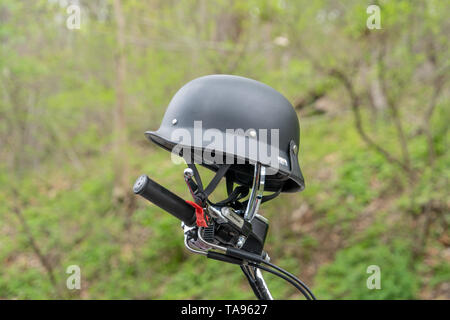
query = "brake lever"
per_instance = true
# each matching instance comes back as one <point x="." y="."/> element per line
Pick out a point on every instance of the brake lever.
<point x="190" y="238"/>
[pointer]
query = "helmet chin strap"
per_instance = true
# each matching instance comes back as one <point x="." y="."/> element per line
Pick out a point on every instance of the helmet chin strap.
<point x="252" y="203"/>
<point x="202" y="194"/>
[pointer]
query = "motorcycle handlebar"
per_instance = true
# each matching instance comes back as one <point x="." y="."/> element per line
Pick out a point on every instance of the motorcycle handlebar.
<point x="165" y="199"/>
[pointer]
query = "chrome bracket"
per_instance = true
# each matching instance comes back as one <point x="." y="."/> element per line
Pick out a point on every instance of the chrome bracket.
<point x="254" y="201"/>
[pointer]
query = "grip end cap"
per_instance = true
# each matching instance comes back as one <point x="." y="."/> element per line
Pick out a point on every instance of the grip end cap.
<point x="140" y="184"/>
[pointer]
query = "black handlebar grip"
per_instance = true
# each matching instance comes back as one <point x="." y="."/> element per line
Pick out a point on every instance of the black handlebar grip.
<point x="165" y="199"/>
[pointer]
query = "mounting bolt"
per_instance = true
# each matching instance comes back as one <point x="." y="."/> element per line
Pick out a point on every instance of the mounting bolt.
<point x="174" y="121"/>
<point x="265" y="256"/>
<point x="240" y="242"/>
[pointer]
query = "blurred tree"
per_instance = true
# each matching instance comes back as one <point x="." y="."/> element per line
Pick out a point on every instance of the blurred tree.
<point x="121" y="191"/>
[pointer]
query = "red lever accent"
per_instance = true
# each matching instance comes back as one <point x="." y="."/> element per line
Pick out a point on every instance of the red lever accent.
<point x="201" y="222"/>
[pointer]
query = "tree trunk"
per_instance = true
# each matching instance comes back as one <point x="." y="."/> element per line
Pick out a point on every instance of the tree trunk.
<point x="121" y="189"/>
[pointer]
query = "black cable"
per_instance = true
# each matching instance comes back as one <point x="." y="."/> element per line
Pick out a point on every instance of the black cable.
<point x="287" y="273"/>
<point x="245" y="269"/>
<point x="238" y="256"/>
<point x="279" y="274"/>
<point x="239" y="253"/>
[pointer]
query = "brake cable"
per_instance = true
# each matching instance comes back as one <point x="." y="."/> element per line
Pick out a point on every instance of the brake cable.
<point x="238" y="256"/>
<point x="297" y="283"/>
<point x="290" y="280"/>
<point x="238" y="253"/>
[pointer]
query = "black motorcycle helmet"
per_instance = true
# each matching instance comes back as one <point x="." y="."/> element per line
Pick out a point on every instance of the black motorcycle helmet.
<point x="224" y="102"/>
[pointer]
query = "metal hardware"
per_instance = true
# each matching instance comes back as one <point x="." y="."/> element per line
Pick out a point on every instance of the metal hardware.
<point x="240" y="241"/>
<point x="260" y="217"/>
<point x="192" y="186"/>
<point x="186" y="230"/>
<point x="256" y="195"/>
<point x="216" y="213"/>
<point x="188" y="173"/>
<point x="212" y="245"/>
<point x="262" y="283"/>
<point x="232" y="217"/>
<point x="265" y="256"/>
<point x="190" y="248"/>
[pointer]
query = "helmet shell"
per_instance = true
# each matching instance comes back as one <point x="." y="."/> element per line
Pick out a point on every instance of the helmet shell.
<point x="224" y="102"/>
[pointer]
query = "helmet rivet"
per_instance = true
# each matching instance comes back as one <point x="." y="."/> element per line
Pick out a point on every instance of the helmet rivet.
<point x="252" y="133"/>
<point x="188" y="173"/>
<point x="174" y="121"/>
<point x="294" y="148"/>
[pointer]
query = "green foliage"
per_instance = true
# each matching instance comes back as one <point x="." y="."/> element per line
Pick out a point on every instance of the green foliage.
<point x="57" y="100"/>
<point x="346" y="277"/>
